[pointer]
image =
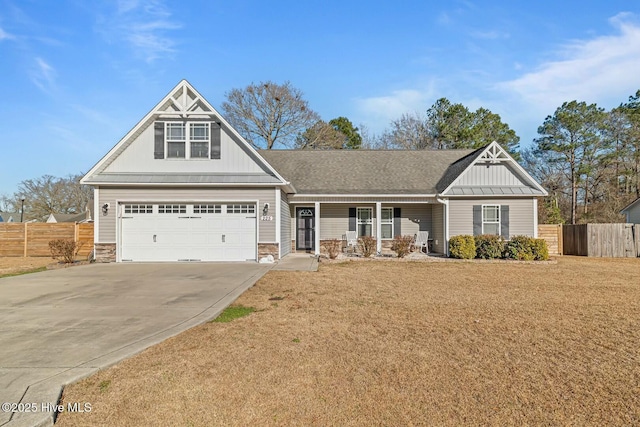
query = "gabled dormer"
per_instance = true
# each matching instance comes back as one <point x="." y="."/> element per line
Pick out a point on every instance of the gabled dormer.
<point x="183" y="139"/>
<point x="489" y="171"/>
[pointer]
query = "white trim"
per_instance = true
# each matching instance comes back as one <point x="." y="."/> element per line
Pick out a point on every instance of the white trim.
<point x="495" y="146"/>
<point x="182" y="184"/>
<point x="445" y="224"/>
<point x="364" y="195"/>
<point x="278" y="202"/>
<point x="535" y="218"/>
<point x="378" y="227"/>
<point x="499" y="222"/>
<point x="121" y="202"/>
<point x="316" y="226"/>
<point x="393" y="231"/>
<point x="155" y="112"/>
<point x="97" y="212"/>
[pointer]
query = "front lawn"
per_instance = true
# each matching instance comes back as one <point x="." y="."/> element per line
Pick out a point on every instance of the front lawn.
<point x="391" y="343"/>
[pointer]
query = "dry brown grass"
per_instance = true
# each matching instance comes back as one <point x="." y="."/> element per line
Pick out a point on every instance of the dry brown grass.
<point x="10" y="265"/>
<point x="397" y="344"/>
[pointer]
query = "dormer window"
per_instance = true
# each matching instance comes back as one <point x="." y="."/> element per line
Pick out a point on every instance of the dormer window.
<point x="176" y="138"/>
<point x="199" y="138"/>
<point x="186" y="140"/>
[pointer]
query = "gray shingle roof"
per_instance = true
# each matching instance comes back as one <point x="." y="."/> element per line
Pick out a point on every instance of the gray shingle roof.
<point x="367" y="172"/>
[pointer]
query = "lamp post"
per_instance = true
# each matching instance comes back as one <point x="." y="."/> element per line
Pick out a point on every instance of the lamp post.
<point x="22" y="209"/>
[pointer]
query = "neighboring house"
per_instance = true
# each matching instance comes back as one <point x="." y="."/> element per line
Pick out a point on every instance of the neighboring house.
<point x="9" y="216"/>
<point x="632" y="212"/>
<point x="86" y="216"/>
<point x="183" y="185"/>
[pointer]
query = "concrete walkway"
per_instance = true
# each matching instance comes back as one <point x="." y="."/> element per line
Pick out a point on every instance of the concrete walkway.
<point x="59" y="326"/>
<point x="297" y="262"/>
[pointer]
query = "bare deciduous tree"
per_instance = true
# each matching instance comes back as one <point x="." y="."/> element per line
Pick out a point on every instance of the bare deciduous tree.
<point x="49" y="194"/>
<point x="267" y="113"/>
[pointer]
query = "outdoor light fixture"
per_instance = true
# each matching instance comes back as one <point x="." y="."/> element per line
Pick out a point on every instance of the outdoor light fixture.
<point x="265" y="209"/>
<point x="105" y="208"/>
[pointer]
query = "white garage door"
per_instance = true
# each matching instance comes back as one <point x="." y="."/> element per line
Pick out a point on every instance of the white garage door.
<point x="188" y="232"/>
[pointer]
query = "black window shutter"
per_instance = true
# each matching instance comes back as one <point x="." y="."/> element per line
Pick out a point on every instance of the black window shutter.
<point x="215" y="140"/>
<point x="158" y="146"/>
<point x="397" y="230"/>
<point x="477" y="220"/>
<point x="504" y="221"/>
<point x="352" y="219"/>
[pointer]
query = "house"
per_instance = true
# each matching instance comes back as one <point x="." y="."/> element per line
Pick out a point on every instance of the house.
<point x="632" y="212"/>
<point x="9" y="216"/>
<point x="183" y="185"/>
<point x="82" y="217"/>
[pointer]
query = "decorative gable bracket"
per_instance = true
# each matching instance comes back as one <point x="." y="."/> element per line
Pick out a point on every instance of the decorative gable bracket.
<point x="183" y="102"/>
<point x="494" y="154"/>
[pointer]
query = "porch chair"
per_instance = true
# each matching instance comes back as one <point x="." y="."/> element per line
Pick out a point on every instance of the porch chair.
<point x="352" y="240"/>
<point x="422" y="241"/>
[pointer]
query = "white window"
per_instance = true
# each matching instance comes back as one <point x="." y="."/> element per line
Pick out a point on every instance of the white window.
<point x="168" y="209"/>
<point x="135" y="209"/>
<point x="386" y="223"/>
<point x="364" y="221"/>
<point x="211" y="209"/>
<point x="245" y="209"/>
<point x="176" y="140"/>
<point x="491" y="219"/>
<point x="199" y="138"/>
<point x="191" y="145"/>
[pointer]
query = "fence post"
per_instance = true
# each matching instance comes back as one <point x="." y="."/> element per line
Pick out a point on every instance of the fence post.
<point x="75" y="232"/>
<point x="24" y="254"/>
<point x="560" y="241"/>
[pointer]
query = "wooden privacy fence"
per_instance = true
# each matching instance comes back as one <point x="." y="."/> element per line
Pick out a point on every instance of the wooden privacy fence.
<point x="602" y="240"/>
<point x="552" y="234"/>
<point x="32" y="238"/>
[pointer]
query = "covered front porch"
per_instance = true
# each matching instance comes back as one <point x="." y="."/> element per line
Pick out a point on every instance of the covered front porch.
<point x="315" y="221"/>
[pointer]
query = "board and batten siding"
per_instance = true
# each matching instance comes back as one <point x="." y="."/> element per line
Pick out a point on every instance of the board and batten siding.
<point x="521" y="215"/>
<point x="285" y="225"/>
<point x="107" y="223"/>
<point x="138" y="158"/>
<point x="497" y="174"/>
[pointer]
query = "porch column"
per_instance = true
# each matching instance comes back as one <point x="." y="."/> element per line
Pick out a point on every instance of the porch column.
<point x="378" y="227"/>
<point x="316" y="233"/>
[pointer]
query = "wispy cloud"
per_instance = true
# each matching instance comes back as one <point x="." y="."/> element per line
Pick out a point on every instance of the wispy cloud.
<point x="379" y="111"/>
<point x="5" y="36"/>
<point x="600" y="69"/>
<point x="145" y="25"/>
<point x="43" y="75"/>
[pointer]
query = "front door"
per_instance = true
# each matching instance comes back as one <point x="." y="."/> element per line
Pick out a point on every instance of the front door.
<point x="305" y="229"/>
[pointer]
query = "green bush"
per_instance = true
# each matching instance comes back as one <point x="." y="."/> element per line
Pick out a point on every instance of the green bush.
<point x="489" y="246"/>
<point x="519" y="248"/>
<point x="368" y="245"/>
<point x="401" y="245"/>
<point x="540" y="250"/>
<point x="463" y="247"/>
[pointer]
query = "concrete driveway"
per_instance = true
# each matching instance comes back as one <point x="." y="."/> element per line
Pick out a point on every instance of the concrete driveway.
<point x="59" y="326"/>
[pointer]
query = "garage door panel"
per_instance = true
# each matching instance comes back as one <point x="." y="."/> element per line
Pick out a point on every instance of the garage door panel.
<point x="210" y="236"/>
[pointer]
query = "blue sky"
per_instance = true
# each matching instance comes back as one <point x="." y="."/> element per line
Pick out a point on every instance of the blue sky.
<point x="77" y="75"/>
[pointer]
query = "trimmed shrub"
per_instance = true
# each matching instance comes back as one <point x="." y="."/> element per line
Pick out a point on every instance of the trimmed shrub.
<point x="489" y="246"/>
<point x="401" y="245"/>
<point x="540" y="250"/>
<point x="333" y="247"/>
<point x="519" y="248"/>
<point x="367" y="245"/>
<point x="64" y="250"/>
<point x="462" y="247"/>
